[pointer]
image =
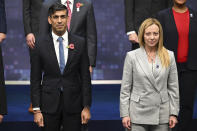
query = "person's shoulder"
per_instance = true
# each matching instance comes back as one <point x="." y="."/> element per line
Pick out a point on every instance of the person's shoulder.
<point x="41" y="39"/>
<point x="74" y="37"/>
<point x="77" y="40"/>
<point x="164" y="11"/>
<point x="133" y="52"/>
<point x="193" y="13"/>
<point x="171" y="53"/>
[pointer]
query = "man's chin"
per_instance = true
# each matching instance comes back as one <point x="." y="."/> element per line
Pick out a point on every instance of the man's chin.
<point x="60" y="29"/>
<point x="61" y="32"/>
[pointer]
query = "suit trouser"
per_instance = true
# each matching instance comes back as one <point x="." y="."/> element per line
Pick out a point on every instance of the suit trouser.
<point x="3" y="101"/>
<point x="187" y="86"/>
<point x="70" y="121"/>
<point x="142" y="127"/>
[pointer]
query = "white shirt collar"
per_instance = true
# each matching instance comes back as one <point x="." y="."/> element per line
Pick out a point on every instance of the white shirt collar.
<point x="64" y="36"/>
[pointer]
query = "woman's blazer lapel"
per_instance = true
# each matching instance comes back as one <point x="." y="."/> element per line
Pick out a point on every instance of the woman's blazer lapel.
<point x="143" y="62"/>
<point x="142" y="59"/>
<point x="158" y="67"/>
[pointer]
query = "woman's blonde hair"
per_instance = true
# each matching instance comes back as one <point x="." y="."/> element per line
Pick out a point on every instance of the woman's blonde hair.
<point x="162" y="51"/>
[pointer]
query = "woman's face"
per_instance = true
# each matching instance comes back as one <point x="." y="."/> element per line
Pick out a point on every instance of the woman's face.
<point x="151" y="36"/>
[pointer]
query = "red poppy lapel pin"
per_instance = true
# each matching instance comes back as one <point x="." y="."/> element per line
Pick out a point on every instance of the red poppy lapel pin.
<point x="71" y="46"/>
<point x="78" y="5"/>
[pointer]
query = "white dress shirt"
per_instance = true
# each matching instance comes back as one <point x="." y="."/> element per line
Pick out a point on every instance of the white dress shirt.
<point x="56" y="45"/>
<point x="70" y="5"/>
<point x="65" y="45"/>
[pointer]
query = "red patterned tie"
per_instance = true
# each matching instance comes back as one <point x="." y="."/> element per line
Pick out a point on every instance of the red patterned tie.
<point x="69" y="14"/>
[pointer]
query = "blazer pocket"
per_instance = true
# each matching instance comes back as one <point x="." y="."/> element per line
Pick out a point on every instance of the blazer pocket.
<point x="164" y="97"/>
<point x="135" y="97"/>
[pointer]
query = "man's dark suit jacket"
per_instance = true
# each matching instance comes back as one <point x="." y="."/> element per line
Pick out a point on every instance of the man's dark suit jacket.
<point x="31" y="15"/>
<point x="82" y="24"/>
<point x="3" y="104"/>
<point x="46" y="79"/>
<point x="171" y="35"/>
<point x="2" y="17"/>
<point x="136" y="11"/>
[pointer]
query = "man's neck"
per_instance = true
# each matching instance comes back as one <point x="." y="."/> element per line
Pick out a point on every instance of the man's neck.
<point x="150" y="50"/>
<point x="59" y="33"/>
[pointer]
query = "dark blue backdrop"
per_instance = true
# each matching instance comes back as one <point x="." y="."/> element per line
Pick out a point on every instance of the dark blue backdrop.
<point x="112" y="41"/>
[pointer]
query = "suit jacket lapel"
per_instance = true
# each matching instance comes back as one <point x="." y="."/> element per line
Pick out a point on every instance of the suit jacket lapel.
<point x="143" y="62"/>
<point x="158" y="67"/>
<point x="71" y="53"/>
<point x="52" y="53"/>
<point x="191" y="22"/>
<point x="171" y="18"/>
<point x="73" y="14"/>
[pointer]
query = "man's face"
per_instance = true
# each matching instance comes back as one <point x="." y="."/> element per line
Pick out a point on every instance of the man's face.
<point x="180" y="2"/>
<point x="58" y="21"/>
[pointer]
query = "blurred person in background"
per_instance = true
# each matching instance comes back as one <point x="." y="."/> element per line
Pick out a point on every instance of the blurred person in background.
<point x="136" y="11"/>
<point x="31" y="19"/>
<point x="3" y="103"/>
<point x="180" y="36"/>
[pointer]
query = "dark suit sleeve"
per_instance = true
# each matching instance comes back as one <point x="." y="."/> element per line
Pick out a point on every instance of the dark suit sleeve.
<point x="169" y="3"/>
<point x="91" y="36"/>
<point x="129" y="15"/>
<point x="3" y="103"/>
<point x="44" y="25"/>
<point x="3" y="28"/>
<point x="36" y="76"/>
<point x="86" y="80"/>
<point x="27" y="16"/>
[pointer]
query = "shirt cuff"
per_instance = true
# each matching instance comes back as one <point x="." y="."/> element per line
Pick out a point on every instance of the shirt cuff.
<point x="130" y="32"/>
<point x="36" y="108"/>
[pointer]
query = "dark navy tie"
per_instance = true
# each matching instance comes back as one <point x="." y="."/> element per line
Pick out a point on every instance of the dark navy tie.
<point x="61" y="54"/>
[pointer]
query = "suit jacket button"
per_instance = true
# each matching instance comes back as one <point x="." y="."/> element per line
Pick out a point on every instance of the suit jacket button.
<point x="61" y="89"/>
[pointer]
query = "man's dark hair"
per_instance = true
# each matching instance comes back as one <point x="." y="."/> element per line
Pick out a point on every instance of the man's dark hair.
<point x="57" y="6"/>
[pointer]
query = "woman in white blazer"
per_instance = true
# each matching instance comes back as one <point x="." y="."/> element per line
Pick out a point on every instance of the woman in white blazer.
<point x="149" y="96"/>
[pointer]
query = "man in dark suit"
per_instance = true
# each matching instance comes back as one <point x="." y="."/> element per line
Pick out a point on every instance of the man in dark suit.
<point x="180" y="35"/>
<point x="31" y="16"/>
<point x="136" y="11"/>
<point x="3" y="105"/>
<point x="60" y="77"/>
<point x="82" y="23"/>
<point x="31" y="19"/>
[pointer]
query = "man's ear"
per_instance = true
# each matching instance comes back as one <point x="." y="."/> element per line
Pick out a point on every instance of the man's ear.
<point x="49" y="20"/>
